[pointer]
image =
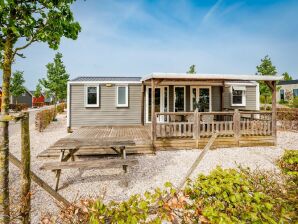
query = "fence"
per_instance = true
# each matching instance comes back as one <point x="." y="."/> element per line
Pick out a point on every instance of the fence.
<point x="198" y="125"/>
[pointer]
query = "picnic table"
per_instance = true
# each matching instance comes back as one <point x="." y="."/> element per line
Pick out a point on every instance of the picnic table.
<point x="69" y="146"/>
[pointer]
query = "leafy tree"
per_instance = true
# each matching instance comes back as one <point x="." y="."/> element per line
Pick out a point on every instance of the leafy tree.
<point x="37" y="92"/>
<point x="17" y="84"/>
<point x="21" y="24"/>
<point x="192" y="69"/>
<point x="57" y="77"/>
<point x="266" y="68"/>
<point x="286" y="76"/>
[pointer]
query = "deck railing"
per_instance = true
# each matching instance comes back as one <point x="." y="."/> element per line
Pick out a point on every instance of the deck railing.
<point x="203" y="124"/>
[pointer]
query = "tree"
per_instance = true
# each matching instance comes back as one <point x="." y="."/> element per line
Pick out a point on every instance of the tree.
<point x="21" y="24"/>
<point x="192" y="69"/>
<point x="17" y="85"/>
<point x="266" y="68"/>
<point x="287" y="77"/>
<point x="57" y="77"/>
<point x="37" y="92"/>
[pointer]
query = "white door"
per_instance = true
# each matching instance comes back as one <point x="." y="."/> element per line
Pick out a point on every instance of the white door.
<point x="161" y="102"/>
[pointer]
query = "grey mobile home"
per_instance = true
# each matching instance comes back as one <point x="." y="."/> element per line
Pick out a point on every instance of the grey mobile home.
<point x="99" y="100"/>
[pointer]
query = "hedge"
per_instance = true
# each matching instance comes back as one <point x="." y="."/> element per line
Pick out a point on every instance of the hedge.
<point x="44" y="117"/>
<point x="288" y="118"/>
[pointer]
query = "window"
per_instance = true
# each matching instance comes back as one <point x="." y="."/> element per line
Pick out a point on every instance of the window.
<point x="92" y="96"/>
<point x="238" y="96"/>
<point x="179" y="98"/>
<point x="295" y="93"/>
<point x="282" y="94"/>
<point x="201" y="99"/>
<point x="122" y="96"/>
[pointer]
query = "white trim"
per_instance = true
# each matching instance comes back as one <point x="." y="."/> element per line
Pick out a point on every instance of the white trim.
<point x="68" y="106"/>
<point x="251" y="83"/>
<point x="126" y="96"/>
<point x="243" y="104"/>
<point x="186" y="76"/>
<point x="257" y="96"/>
<point x="197" y="95"/>
<point x="184" y="97"/>
<point x="86" y="96"/>
<point x="105" y="82"/>
<point x="162" y="92"/>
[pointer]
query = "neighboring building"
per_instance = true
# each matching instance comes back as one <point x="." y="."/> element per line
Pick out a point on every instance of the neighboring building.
<point x="100" y="100"/>
<point x="25" y="98"/>
<point x="287" y="89"/>
<point x="37" y="101"/>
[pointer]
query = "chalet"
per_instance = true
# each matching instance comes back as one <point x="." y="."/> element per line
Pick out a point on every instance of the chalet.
<point x="37" y="101"/>
<point x="25" y="98"/>
<point x="287" y="89"/>
<point x="176" y="106"/>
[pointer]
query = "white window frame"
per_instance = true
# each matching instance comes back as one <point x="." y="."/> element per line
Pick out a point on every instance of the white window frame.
<point x="86" y="96"/>
<point x="126" y="96"/>
<point x="243" y="104"/>
<point x="283" y="94"/>
<point x="197" y="95"/>
<point x="184" y="97"/>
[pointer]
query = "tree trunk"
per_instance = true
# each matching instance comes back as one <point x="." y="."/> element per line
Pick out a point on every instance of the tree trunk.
<point x="25" y="171"/>
<point x="4" y="136"/>
<point x="55" y="108"/>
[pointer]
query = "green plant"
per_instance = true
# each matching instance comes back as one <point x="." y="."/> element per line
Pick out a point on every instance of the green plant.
<point x="294" y="103"/>
<point x="230" y="196"/>
<point x="283" y="102"/>
<point x="289" y="162"/>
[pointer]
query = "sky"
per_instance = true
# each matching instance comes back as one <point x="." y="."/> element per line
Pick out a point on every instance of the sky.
<point x="135" y="38"/>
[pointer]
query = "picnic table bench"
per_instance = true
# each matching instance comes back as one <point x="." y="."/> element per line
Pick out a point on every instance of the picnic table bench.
<point x="73" y="145"/>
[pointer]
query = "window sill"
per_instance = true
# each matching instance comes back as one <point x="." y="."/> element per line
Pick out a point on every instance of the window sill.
<point x="238" y="105"/>
<point x="121" y="106"/>
<point x="87" y="106"/>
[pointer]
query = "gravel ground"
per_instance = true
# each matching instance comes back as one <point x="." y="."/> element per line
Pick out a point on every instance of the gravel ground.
<point x="151" y="172"/>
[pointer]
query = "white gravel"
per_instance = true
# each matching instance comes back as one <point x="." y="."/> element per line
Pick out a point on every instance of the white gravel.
<point x="151" y="172"/>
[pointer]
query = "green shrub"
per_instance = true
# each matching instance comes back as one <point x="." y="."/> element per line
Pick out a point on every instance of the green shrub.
<point x="43" y="118"/>
<point x="230" y="196"/>
<point x="289" y="162"/>
<point x="295" y="102"/>
<point x="283" y="102"/>
<point x="60" y="108"/>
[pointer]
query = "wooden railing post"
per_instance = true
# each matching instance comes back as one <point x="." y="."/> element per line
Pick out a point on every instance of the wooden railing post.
<point x="25" y="171"/>
<point x="236" y="119"/>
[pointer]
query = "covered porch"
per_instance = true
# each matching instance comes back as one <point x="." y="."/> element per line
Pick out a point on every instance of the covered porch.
<point x="185" y="109"/>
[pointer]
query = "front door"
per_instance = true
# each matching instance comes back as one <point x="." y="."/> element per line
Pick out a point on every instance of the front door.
<point x="201" y="99"/>
<point x="161" y="102"/>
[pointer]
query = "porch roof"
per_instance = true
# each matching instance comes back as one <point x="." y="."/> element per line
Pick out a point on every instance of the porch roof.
<point x="228" y="77"/>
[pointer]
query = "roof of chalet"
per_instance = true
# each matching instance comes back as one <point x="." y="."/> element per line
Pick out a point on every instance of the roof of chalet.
<point x="288" y="82"/>
<point x="106" y="79"/>
<point x="229" y="77"/>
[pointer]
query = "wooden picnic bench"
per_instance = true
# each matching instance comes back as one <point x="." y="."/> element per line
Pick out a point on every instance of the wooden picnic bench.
<point x="71" y="146"/>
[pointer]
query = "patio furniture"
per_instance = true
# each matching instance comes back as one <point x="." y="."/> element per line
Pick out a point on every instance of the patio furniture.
<point x="71" y="146"/>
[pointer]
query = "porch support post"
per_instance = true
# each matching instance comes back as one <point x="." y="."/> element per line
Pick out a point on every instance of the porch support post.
<point x="274" y="130"/>
<point x="153" y="118"/>
<point x="236" y="119"/>
<point x="142" y="104"/>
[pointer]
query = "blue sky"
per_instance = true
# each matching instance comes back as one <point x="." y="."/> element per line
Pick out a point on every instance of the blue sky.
<point x="139" y="37"/>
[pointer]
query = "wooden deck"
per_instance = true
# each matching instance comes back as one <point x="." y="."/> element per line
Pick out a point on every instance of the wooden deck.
<point x="139" y="134"/>
<point x="169" y="137"/>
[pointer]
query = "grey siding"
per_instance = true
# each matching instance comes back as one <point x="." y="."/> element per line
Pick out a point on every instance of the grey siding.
<point x="107" y="113"/>
<point x="250" y="99"/>
<point x="216" y="98"/>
